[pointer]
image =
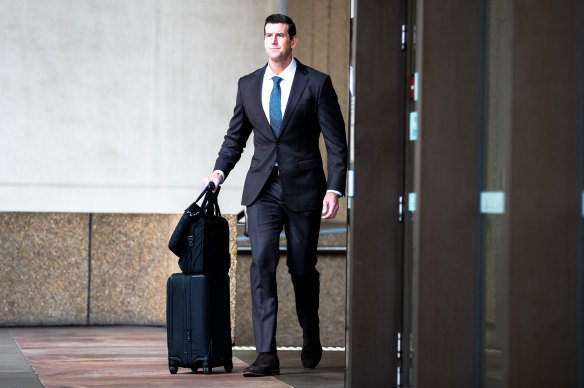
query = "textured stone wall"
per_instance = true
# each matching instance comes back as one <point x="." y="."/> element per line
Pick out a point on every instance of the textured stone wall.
<point x="130" y="263"/>
<point x="332" y="268"/>
<point x="111" y="269"/>
<point x="44" y="268"/>
<point x="80" y="268"/>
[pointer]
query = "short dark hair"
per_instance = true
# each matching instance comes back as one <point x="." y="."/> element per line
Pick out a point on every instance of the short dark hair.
<point x="279" y="18"/>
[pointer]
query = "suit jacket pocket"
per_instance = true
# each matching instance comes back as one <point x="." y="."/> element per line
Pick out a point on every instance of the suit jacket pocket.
<point x="254" y="164"/>
<point x="309" y="164"/>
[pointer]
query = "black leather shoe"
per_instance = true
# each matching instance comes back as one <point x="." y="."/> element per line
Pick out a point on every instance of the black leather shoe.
<point x="266" y="364"/>
<point x="311" y="352"/>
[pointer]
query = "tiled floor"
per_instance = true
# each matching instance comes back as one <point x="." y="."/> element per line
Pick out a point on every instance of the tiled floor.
<point x="134" y="357"/>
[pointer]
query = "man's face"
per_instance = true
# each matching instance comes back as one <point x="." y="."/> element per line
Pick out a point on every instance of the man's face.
<point x="278" y="43"/>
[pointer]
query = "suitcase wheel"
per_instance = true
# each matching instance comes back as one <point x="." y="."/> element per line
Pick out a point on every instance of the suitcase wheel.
<point x="207" y="370"/>
<point x="194" y="369"/>
<point x="173" y="369"/>
<point x="228" y="366"/>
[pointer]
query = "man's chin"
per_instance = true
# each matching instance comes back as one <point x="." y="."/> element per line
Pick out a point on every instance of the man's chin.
<point x="279" y="58"/>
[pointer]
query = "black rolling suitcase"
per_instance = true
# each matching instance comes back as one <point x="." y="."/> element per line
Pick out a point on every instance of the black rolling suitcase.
<point x="198" y="322"/>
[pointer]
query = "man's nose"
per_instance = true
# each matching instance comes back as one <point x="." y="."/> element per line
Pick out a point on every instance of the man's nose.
<point x="275" y="40"/>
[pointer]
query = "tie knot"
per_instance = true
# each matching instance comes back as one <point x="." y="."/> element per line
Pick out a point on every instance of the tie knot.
<point x="276" y="80"/>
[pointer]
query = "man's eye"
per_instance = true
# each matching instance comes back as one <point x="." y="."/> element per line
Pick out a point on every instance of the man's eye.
<point x="279" y="36"/>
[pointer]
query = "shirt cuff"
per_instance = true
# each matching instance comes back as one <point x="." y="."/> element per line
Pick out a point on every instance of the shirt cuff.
<point x="336" y="192"/>
<point x="222" y="175"/>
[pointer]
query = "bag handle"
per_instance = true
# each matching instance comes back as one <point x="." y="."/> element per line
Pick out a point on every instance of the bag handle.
<point x="207" y="191"/>
<point x="213" y="202"/>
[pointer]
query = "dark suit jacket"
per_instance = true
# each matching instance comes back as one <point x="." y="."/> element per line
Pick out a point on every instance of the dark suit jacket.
<point x="312" y="108"/>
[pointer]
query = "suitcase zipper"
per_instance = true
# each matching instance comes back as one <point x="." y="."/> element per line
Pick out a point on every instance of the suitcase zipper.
<point x="188" y="314"/>
<point x="189" y="329"/>
<point x="169" y="318"/>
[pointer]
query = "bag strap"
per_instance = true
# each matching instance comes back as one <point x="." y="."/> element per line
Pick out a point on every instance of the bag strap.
<point x="207" y="191"/>
<point x="211" y="207"/>
<point x="213" y="196"/>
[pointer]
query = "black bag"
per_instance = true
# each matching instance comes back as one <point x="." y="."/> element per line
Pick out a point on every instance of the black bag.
<point x="201" y="237"/>
<point x="198" y="322"/>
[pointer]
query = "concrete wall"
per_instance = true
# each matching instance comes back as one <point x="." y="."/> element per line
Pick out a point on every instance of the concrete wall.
<point x="120" y="105"/>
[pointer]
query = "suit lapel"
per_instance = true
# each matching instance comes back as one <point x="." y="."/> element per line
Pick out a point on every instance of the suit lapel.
<point x="298" y="85"/>
<point x="256" y="98"/>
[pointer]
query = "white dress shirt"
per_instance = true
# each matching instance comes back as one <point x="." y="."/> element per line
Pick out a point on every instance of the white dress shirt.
<point x="285" y="86"/>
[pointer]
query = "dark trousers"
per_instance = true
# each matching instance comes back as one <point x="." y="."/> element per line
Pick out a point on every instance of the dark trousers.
<point x="267" y="217"/>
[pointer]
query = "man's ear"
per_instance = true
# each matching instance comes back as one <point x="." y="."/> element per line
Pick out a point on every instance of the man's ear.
<point x="294" y="41"/>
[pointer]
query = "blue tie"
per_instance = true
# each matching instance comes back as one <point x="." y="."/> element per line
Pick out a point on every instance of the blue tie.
<point x="276" y="106"/>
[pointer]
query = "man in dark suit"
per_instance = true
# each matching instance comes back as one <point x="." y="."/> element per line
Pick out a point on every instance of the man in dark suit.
<point x="287" y="106"/>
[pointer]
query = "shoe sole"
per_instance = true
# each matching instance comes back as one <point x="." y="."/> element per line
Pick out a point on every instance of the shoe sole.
<point x="252" y="374"/>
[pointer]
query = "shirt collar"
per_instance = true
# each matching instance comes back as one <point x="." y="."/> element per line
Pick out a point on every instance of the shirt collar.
<point x="286" y="75"/>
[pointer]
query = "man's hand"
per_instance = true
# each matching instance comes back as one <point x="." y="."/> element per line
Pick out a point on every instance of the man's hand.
<point x="330" y="206"/>
<point x="216" y="178"/>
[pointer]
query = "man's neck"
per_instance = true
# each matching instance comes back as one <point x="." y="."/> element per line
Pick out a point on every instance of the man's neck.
<point x="280" y="66"/>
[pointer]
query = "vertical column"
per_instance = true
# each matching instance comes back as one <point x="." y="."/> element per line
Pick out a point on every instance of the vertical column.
<point x="545" y="194"/>
<point x="376" y="236"/>
<point x="447" y="223"/>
